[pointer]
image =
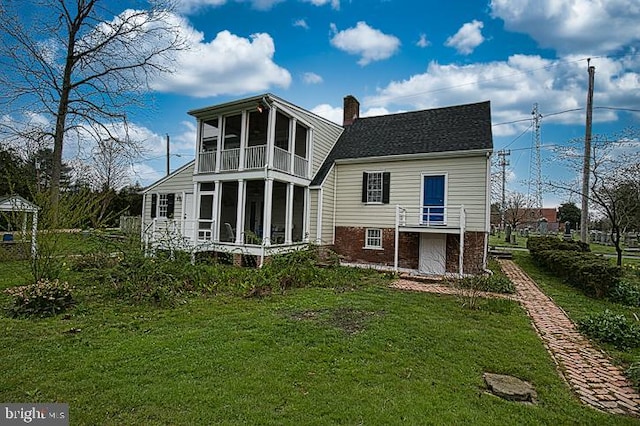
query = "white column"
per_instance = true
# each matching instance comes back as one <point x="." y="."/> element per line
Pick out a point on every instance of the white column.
<point x="219" y="144"/>
<point x="306" y="228"/>
<point x="34" y="234"/>
<point x="240" y="212"/>
<point x="292" y="144"/>
<point x="266" y="219"/>
<point x="217" y="205"/>
<point x="196" y="166"/>
<point x="288" y="218"/>
<point x="243" y="139"/>
<point x="271" y="135"/>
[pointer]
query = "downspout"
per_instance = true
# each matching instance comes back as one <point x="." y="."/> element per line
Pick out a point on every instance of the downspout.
<point x="397" y="240"/>
<point x="462" y="227"/>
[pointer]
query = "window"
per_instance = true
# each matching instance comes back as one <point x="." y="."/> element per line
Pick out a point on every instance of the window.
<point x="373" y="239"/>
<point x="375" y="187"/>
<point x="162" y="205"/>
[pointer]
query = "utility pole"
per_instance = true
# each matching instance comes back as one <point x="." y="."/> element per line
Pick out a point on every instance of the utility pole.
<point x="503" y="162"/>
<point x="168" y="156"/>
<point x="586" y="168"/>
<point x="537" y="198"/>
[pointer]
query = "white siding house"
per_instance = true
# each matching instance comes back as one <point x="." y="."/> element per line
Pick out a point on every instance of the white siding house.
<point x="405" y="190"/>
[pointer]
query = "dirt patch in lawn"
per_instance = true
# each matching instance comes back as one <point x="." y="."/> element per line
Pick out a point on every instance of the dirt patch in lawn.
<point x="350" y="320"/>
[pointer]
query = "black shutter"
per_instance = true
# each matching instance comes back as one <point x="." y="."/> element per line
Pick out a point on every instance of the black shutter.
<point x="365" y="180"/>
<point x="171" y="203"/>
<point x="154" y="205"/>
<point x="386" y="179"/>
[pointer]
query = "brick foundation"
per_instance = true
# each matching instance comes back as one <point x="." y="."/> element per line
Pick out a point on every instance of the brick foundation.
<point x="350" y="242"/>
<point x="474" y="243"/>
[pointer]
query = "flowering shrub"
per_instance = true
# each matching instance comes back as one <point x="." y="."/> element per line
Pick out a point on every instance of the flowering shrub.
<point x="43" y="298"/>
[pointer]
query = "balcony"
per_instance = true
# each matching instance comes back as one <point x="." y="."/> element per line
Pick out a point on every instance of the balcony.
<point x="207" y="162"/>
<point x="255" y="157"/>
<point x="430" y="217"/>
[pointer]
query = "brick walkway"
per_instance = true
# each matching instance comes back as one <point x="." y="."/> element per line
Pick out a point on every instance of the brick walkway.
<point x="589" y="372"/>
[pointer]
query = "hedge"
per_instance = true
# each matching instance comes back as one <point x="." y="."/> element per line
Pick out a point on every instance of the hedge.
<point x="572" y="261"/>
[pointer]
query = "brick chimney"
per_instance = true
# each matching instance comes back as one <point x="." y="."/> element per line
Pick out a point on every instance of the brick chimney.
<point x="351" y="110"/>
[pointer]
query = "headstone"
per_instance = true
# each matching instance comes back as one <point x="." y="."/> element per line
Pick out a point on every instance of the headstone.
<point x="507" y="233"/>
<point x="542" y="226"/>
<point x="567" y="231"/>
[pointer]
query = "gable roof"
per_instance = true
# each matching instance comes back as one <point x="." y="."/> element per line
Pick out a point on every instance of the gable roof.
<point x="167" y="177"/>
<point x="16" y="203"/>
<point x="455" y="128"/>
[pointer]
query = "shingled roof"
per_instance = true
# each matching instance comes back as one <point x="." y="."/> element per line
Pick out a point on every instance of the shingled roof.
<point x="454" y="128"/>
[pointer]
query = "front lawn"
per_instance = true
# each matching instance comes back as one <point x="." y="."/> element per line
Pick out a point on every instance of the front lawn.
<point x="346" y="354"/>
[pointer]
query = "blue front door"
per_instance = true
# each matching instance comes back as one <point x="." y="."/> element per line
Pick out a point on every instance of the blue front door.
<point x="433" y="200"/>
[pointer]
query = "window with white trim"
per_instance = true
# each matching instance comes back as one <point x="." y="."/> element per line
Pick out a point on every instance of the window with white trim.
<point x="374" y="187"/>
<point x="373" y="238"/>
<point x="163" y="203"/>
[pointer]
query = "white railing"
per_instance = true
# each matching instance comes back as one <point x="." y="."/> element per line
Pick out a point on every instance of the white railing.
<point x="207" y="162"/>
<point x="300" y="166"/>
<point x="281" y="159"/>
<point x="230" y="159"/>
<point x="431" y="216"/>
<point x="255" y="157"/>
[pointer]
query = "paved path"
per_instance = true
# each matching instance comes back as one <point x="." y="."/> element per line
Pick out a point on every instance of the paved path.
<point x="589" y="371"/>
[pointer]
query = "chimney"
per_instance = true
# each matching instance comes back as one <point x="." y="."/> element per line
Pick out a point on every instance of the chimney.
<point x="351" y="110"/>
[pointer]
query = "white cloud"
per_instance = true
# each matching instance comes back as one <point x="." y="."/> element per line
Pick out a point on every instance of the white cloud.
<point x="513" y="86"/>
<point x="371" y="44"/>
<point x="311" y="78"/>
<point x="329" y="112"/>
<point x="301" y="23"/>
<point x="423" y="42"/>
<point x="228" y="64"/>
<point x="335" y="4"/>
<point x="191" y="6"/>
<point x="468" y="37"/>
<point x="573" y="26"/>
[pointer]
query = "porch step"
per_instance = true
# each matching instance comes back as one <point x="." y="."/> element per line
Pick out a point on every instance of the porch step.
<point x="501" y="254"/>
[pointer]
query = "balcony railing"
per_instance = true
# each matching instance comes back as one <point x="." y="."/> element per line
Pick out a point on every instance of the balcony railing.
<point x="230" y="159"/>
<point x="300" y="166"/>
<point x="207" y="162"/>
<point x="281" y="159"/>
<point x="431" y="216"/>
<point x="255" y="157"/>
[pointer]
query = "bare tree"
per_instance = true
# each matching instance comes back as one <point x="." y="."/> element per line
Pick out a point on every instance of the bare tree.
<point x="615" y="181"/>
<point x="80" y="66"/>
<point x="517" y="209"/>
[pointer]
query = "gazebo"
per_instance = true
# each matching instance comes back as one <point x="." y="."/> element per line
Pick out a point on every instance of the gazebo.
<point x="17" y="204"/>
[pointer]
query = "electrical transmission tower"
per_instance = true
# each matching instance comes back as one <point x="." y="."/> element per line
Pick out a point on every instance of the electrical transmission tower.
<point x="503" y="162"/>
<point x="536" y="200"/>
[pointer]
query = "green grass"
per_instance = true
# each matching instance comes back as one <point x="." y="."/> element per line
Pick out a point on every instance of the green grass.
<point x="369" y="355"/>
<point x="576" y="304"/>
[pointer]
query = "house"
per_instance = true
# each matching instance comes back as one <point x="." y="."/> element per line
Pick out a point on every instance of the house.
<point x="408" y="190"/>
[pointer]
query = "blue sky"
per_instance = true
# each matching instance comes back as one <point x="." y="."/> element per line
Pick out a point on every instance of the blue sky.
<point x="399" y="55"/>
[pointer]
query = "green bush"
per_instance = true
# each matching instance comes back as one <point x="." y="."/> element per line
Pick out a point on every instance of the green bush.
<point x="535" y="244"/>
<point x="496" y="283"/>
<point x="572" y="261"/>
<point x="608" y="327"/>
<point x="633" y="373"/>
<point x="626" y="292"/>
<point x="44" y="298"/>
<point x="91" y="261"/>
